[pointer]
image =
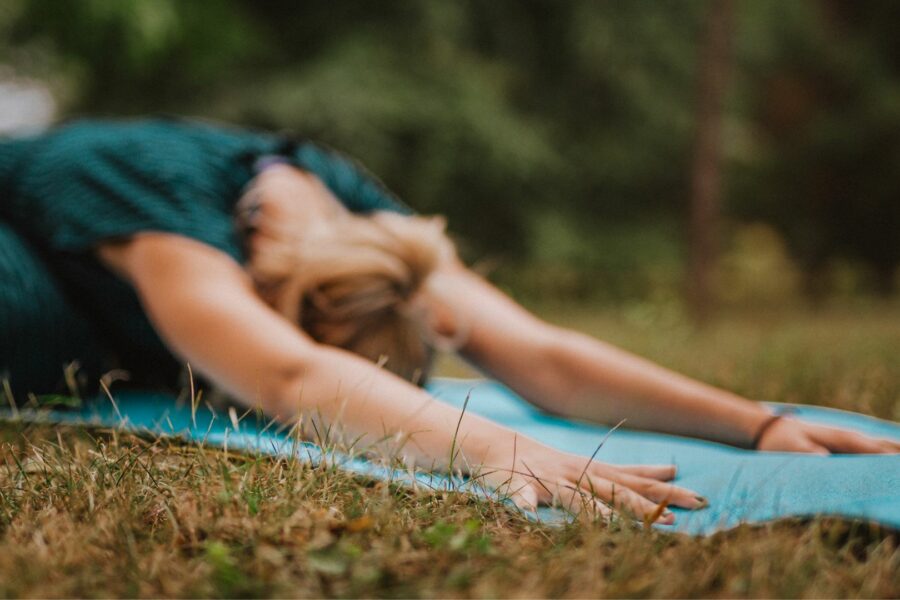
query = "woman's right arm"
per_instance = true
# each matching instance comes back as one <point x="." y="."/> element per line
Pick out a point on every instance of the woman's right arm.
<point x="205" y="308"/>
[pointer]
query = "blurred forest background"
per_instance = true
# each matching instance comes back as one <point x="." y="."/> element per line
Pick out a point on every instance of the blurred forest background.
<point x="557" y="136"/>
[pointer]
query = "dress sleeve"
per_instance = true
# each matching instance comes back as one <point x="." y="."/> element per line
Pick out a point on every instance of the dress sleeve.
<point x="356" y="187"/>
<point x="89" y="185"/>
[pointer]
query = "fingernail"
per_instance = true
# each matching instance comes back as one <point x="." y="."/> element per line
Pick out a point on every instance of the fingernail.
<point x="668" y="516"/>
<point x="701" y="501"/>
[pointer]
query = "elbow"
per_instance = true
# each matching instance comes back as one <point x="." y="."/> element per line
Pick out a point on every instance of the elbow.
<point x="540" y="369"/>
<point x="310" y="382"/>
<point x="551" y="344"/>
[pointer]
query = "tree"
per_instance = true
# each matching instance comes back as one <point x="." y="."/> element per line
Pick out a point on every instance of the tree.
<point x="706" y="187"/>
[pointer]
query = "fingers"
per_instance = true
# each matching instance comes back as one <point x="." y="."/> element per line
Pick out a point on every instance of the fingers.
<point x="522" y="490"/>
<point x="593" y="495"/>
<point x="799" y="436"/>
<point x="869" y="445"/>
<point x="660" y="472"/>
<point x="808" y="446"/>
<point x="850" y="442"/>
<point x="890" y="447"/>
<point x="582" y="504"/>
<point x="601" y="489"/>
<point x="527" y="493"/>
<point x="622" y="498"/>
<point x="860" y="444"/>
<point x="659" y="492"/>
<point x="652" y="488"/>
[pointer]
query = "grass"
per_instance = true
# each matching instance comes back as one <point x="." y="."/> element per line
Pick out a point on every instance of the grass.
<point x="98" y="513"/>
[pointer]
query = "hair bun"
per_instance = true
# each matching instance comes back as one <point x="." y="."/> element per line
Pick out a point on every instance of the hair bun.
<point x="353" y="282"/>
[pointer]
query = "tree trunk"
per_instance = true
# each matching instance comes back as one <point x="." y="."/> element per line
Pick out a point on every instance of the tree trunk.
<point x="706" y="185"/>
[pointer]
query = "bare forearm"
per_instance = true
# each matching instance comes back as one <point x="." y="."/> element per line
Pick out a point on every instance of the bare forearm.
<point x="372" y="406"/>
<point x="571" y="374"/>
<point x="593" y="380"/>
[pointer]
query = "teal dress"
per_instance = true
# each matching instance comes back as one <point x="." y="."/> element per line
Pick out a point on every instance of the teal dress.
<point x="65" y="191"/>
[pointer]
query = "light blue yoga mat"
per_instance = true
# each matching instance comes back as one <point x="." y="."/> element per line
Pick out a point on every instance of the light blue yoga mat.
<point x="742" y="486"/>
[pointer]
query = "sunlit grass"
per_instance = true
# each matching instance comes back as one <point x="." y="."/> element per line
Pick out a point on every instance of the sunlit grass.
<point x="98" y="513"/>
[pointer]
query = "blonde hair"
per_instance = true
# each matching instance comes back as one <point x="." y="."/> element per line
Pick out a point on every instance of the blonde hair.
<point x="353" y="282"/>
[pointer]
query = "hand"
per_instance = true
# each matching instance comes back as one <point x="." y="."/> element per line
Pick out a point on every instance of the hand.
<point x="790" y="435"/>
<point x="543" y="475"/>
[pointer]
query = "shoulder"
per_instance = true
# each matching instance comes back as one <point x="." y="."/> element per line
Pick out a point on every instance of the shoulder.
<point x="79" y="143"/>
<point x="156" y="132"/>
<point x="180" y="153"/>
<point x="92" y="180"/>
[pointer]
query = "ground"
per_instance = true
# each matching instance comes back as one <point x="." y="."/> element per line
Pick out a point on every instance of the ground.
<point x="97" y="513"/>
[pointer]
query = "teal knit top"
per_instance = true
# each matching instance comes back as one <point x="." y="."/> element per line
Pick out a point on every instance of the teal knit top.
<point x="89" y="181"/>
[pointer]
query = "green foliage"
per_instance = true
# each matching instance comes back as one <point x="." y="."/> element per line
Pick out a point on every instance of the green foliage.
<point x="501" y="113"/>
<point x="465" y="538"/>
<point x="224" y="568"/>
<point x="824" y="97"/>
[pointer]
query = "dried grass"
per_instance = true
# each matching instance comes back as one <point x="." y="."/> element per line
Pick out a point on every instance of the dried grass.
<point x="98" y="513"/>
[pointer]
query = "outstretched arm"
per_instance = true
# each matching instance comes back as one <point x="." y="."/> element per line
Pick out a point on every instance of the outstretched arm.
<point x="205" y="308"/>
<point x="572" y="374"/>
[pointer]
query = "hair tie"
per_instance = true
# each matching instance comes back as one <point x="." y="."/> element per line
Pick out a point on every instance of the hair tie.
<point x="779" y="414"/>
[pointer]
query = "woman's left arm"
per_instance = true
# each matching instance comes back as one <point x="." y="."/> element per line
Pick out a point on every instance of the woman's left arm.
<point x="574" y="375"/>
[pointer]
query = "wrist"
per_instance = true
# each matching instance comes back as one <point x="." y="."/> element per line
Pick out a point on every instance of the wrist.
<point x="501" y="451"/>
<point x="774" y="417"/>
<point x="746" y="424"/>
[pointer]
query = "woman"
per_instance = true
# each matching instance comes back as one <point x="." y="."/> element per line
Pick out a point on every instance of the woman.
<point x="295" y="282"/>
